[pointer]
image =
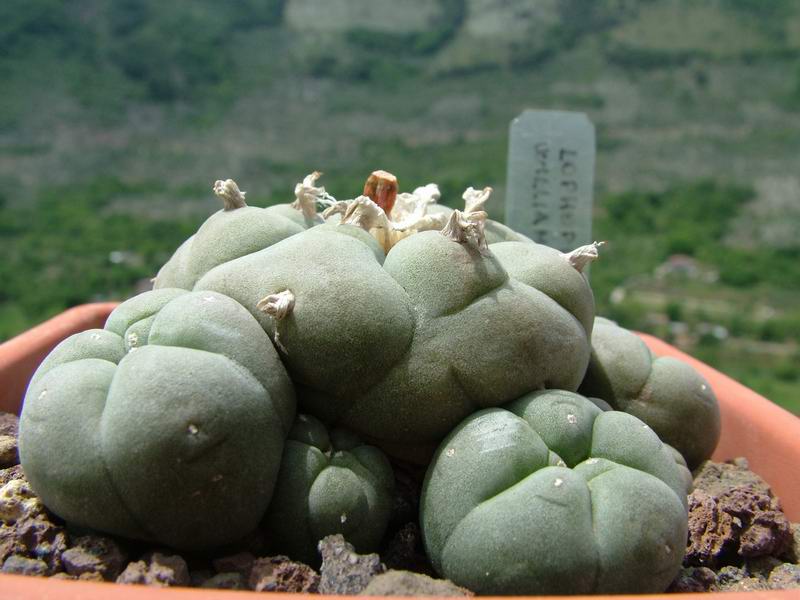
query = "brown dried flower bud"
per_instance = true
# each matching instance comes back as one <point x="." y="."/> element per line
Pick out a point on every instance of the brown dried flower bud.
<point x="381" y="188"/>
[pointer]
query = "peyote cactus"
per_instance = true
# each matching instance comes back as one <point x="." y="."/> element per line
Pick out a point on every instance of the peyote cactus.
<point x="328" y="484"/>
<point x="666" y="393"/>
<point x="551" y="495"/>
<point x="401" y="323"/>
<point x="157" y="426"/>
<point x="400" y="347"/>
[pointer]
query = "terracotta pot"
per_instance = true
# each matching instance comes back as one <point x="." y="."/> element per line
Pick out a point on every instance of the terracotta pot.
<point x="752" y="426"/>
<point x="20" y="356"/>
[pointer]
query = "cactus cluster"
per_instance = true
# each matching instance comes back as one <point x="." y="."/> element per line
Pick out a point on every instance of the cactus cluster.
<point x="286" y="352"/>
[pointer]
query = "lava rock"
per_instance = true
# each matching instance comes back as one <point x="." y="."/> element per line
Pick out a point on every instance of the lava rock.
<point x="8" y="542"/>
<point x="766" y="531"/>
<point x="738" y="523"/>
<point x="224" y="581"/>
<point x="17" y="501"/>
<point x="9" y="424"/>
<point x="343" y="571"/>
<point x="735" y="579"/>
<point x="36" y="539"/>
<point x="10" y="473"/>
<point x="22" y="565"/>
<point x="281" y="574"/>
<point x="62" y="575"/>
<point x="41" y="538"/>
<point x="94" y="554"/>
<point x="716" y="478"/>
<point x="404" y="552"/>
<point x="785" y="576"/>
<point x="9" y="455"/>
<point x="96" y="577"/>
<point x="405" y="583"/>
<point x="693" y="579"/>
<point x="733" y="515"/>
<point x="793" y="555"/>
<point x="26" y="527"/>
<point x="9" y="427"/>
<point x="157" y="570"/>
<point x="761" y="567"/>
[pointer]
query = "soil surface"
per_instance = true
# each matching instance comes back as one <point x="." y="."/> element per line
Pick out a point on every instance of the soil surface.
<point x="739" y="540"/>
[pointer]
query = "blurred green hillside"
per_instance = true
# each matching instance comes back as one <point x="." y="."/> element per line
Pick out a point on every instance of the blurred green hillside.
<point x="116" y="117"/>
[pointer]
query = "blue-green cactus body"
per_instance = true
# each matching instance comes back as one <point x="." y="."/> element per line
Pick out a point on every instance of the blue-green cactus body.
<point x="328" y="485"/>
<point x="666" y="393"/>
<point x="157" y="426"/>
<point x="498" y="517"/>
<point x="401" y="348"/>
<point x="230" y="234"/>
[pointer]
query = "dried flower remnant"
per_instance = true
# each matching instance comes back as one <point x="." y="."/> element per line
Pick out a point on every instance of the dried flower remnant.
<point x="411" y="210"/>
<point x="278" y="306"/>
<point x="474" y="200"/>
<point x="308" y="195"/>
<point x="230" y="194"/>
<point x="583" y="255"/>
<point x="467" y="228"/>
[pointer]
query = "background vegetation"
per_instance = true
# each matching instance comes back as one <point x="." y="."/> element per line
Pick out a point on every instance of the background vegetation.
<point x="116" y="117"/>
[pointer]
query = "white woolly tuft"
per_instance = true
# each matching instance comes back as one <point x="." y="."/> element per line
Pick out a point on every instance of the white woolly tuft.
<point x="583" y="255"/>
<point x="230" y="194"/>
<point x="467" y="228"/>
<point x="278" y="306"/>
<point x="474" y="200"/>
<point x="308" y="195"/>
<point x="363" y="212"/>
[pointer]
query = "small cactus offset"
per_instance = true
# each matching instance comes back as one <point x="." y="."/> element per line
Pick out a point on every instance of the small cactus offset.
<point x="552" y="495"/>
<point x="666" y="393"/>
<point x="329" y="483"/>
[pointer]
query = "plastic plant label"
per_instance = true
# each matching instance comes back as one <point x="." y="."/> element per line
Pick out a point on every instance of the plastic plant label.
<point x="550" y="177"/>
